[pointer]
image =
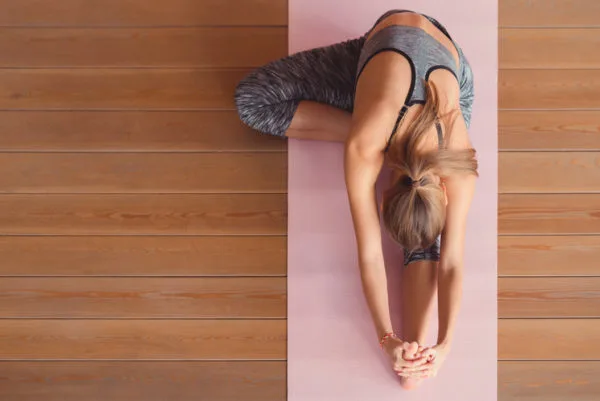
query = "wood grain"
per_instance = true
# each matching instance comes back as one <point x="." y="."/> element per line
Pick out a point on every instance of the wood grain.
<point x="143" y="339"/>
<point x="549" y="89"/>
<point x="143" y="173"/>
<point x="548" y="339"/>
<point x="131" y="131"/>
<point x="548" y="172"/>
<point x="524" y="297"/>
<point x="143" y="256"/>
<point x="548" y="255"/>
<point x="549" y="214"/>
<point x="148" y="381"/>
<point x="559" y="13"/>
<point x="229" y="214"/>
<point x="549" y="48"/>
<point x="142" y="47"/>
<point x="549" y="130"/>
<point x="142" y="13"/>
<point x="147" y="89"/>
<point x="548" y="380"/>
<point x="167" y="298"/>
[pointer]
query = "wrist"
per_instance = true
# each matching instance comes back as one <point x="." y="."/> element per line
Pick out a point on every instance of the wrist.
<point x="385" y="338"/>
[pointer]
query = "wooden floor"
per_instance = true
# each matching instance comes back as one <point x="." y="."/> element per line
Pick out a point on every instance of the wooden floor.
<point x="143" y="228"/>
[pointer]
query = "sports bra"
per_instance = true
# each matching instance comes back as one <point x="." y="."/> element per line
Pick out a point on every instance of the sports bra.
<point x="423" y="52"/>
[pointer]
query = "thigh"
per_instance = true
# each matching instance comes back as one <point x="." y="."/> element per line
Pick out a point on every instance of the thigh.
<point x="267" y="98"/>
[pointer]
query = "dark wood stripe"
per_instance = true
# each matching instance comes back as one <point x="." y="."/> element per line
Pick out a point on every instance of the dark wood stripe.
<point x="549" y="48"/>
<point x="131" y="131"/>
<point x="548" y="380"/>
<point x="535" y="297"/>
<point x="548" y="339"/>
<point x="549" y="130"/>
<point x="548" y="255"/>
<point x="142" y="12"/>
<point x="143" y="339"/>
<point x="558" y="13"/>
<point x="143" y="173"/>
<point x="148" y="381"/>
<point x="549" y="214"/>
<point x="143" y="256"/>
<point x="549" y="89"/>
<point x="549" y="172"/>
<point x="172" y="298"/>
<point x="229" y="214"/>
<point x="145" y="47"/>
<point x="151" y="89"/>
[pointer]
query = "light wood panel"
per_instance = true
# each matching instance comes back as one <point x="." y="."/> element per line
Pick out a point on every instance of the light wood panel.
<point x="549" y="172"/>
<point x="143" y="173"/>
<point x="549" y="89"/>
<point x="548" y="297"/>
<point x="549" y="130"/>
<point x="142" y="12"/>
<point x="548" y="380"/>
<point x="227" y="214"/>
<point x="548" y="339"/>
<point x="554" y="13"/>
<point x="131" y="131"/>
<point x="549" y="214"/>
<point x="128" y="380"/>
<point x="168" y="298"/>
<point x="143" y="256"/>
<point x="548" y="255"/>
<point x="73" y="89"/>
<point x="549" y="48"/>
<point x="141" y="47"/>
<point x="143" y="339"/>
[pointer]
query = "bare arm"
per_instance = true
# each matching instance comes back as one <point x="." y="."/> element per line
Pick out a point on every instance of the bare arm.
<point x="363" y="159"/>
<point x="460" y="190"/>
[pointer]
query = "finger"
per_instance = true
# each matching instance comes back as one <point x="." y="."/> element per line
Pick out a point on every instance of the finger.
<point x="415" y="369"/>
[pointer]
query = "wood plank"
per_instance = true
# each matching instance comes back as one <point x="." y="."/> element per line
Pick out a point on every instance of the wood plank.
<point x="142" y="339"/>
<point x="548" y="172"/>
<point x="147" y="89"/>
<point x="548" y="255"/>
<point x="167" y="298"/>
<point x="559" y="13"/>
<point x="230" y="214"/>
<point x="549" y="214"/>
<point x="548" y="339"/>
<point x="143" y="256"/>
<point x="142" y="47"/>
<point x="548" y="380"/>
<point x="148" y="381"/>
<point x="143" y="173"/>
<point x="131" y="131"/>
<point x="534" y="297"/>
<point x="549" y="89"/>
<point x="549" y="48"/>
<point x="142" y="13"/>
<point x="549" y="130"/>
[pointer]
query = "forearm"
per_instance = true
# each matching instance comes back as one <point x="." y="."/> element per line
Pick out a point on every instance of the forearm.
<point x="450" y="283"/>
<point x="374" y="283"/>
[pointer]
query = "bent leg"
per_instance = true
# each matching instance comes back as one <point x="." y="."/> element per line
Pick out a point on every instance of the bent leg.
<point x="419" y="287"/>
<point x="268" y="98"/>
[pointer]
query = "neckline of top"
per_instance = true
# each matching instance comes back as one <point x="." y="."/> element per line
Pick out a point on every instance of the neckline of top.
<point x="425" y="33"/>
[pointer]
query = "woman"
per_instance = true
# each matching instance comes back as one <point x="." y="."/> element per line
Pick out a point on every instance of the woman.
<point x="402" y="94"/>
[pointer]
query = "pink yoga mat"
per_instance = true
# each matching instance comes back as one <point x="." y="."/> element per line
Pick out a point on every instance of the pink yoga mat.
<point x="332" y="350"/>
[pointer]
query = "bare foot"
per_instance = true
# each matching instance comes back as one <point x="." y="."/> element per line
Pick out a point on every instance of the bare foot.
<point x="411" y="351"/>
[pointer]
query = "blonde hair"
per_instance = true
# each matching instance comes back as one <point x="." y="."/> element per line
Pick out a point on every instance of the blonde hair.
<point x="414" y="211"/>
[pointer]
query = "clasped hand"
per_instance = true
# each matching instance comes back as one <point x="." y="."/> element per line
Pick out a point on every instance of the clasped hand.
<point x="411" y="360"/>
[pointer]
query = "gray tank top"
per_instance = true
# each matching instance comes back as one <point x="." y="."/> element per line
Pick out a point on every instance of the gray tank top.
<point x="422" y="51"/>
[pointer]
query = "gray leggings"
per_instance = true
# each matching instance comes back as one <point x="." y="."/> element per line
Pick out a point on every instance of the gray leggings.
<point x="267" y="98"/>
